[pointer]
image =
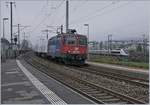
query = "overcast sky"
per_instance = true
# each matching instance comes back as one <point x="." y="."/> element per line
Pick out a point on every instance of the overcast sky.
<point x="124" y="19"/>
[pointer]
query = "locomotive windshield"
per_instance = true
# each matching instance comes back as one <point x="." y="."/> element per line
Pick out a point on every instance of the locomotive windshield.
<point x="74" y="40"/>
<point x="82" y="41"/>
<point x="71" y="41"/>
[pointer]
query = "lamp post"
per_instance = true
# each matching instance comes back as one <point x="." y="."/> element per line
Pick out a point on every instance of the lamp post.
<point x="109" y="43"/>
<point x="87" y="25"/>
<point x="4" y="26"/>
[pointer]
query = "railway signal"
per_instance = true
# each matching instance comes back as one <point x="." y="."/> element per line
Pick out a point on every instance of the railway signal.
<point x="19" y="25"/>
<point x="15" y="40"/>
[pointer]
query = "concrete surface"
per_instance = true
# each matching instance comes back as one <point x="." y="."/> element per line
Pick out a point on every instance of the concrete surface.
<point x="17" y="86"/>
<point x="65" y="93"/>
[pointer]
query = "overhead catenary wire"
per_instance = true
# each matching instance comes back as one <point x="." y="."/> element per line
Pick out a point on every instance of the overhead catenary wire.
<point x="44" y="19"/>
<point x="95" y="12"/>
<point x="92" y="17"/>
<point x="58" y="7"/>
<point x="39" y="13"/>
<point x="99" y="14"/>
<point x="21" y="29"/>
<point x="79" y="6"/>
<point x="17" y="15"/>
<point x="41" y="22"/>
<point x="98" y="9"/>
<point x="88" y="18"/>
<point x="77" y="21"/>
<point x="74" y="9"/>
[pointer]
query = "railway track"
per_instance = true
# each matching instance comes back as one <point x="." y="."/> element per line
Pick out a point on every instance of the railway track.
<point x="114" y="76"/>
<point x="111" y="75"/>
<point x="94" y="92"/>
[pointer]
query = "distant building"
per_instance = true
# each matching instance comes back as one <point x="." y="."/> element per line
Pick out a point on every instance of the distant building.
<point x="119" y="44"/>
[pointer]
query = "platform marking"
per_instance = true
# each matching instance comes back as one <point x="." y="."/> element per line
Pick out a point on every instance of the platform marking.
<point x="16" y="83"/>
<point x="51" y="96"/>
<point x="67" y="87"/>
<point x="11" y="72"/>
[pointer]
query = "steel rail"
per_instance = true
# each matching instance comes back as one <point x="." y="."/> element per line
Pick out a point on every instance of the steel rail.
<point x="89" y="86"/>
<point x="114" y="76"/>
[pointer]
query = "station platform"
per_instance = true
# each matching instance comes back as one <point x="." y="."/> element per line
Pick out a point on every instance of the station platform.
<point x="143" y="73"/>
<point x="23" y="84"/>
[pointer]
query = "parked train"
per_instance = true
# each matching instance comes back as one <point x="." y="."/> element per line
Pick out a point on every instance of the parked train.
<point x="69" y="48"/>
<point x="117" y="52"/>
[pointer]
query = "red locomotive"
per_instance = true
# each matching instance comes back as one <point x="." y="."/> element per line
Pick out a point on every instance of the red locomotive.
<point x="68" y="47"/>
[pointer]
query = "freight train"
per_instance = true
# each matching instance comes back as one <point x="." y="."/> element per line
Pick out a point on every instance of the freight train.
<point x="70" y="48"/>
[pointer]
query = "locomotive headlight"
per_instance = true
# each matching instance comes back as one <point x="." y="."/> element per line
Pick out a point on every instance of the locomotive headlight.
<point x="69" y="51"/>
<point x="76" y="48"/>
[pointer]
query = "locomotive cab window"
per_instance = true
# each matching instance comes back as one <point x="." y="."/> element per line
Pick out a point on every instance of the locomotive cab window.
<point x="71" y="41"/>
<point x="82" y="41"/>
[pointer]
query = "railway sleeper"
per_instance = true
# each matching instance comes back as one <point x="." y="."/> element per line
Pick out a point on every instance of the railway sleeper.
<point x="122" y="102"/>
<point x="100" y="94"/>
<point x="87" y="90"/>
<point x="106" y="97"/>
<point x="92" y="92"/>
<point x="112" y="100"/>
<point x="84" y="87"/>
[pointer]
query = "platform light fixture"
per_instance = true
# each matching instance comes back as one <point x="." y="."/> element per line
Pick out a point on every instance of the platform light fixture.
<point x="4" y="26"/>
<point x="87" y="25"/>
